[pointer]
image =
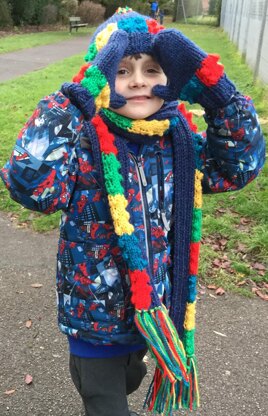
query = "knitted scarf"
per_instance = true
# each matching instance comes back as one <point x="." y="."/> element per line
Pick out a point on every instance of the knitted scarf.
<point x="169" y="335"/>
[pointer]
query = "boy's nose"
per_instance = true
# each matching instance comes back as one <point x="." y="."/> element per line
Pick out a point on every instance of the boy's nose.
<point x="137" y="80"/>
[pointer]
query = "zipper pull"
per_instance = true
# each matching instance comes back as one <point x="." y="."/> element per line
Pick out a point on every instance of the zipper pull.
<point x="142" y="174"/>
<point x="164" y="219"/>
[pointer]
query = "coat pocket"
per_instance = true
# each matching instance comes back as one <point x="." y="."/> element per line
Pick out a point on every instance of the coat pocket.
<point x="90" y="292"/>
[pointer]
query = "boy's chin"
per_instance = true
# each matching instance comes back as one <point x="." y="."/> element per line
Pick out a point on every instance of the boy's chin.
<point x="139" y="113"/>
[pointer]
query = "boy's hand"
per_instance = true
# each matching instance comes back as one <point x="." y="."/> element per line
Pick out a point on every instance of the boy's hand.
<point x="192" y="74"/>
<point x="100" y="77"/>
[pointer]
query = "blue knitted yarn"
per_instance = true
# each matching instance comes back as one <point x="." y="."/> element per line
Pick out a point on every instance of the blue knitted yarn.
<point x="116" y="18"/>
<point x="192" y="289"/>
<point x="133" y="24"/>
<point x="192" y="90"/>
<point x="184" y="168"/>
<point x="132" y="252"/>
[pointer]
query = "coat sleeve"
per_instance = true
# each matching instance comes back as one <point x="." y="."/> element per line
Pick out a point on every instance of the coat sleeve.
<point x="41" y="172"/>
<point x="232" y="152"/>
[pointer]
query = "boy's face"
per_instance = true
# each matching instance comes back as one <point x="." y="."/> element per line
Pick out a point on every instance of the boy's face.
<point x="136" y="76"/>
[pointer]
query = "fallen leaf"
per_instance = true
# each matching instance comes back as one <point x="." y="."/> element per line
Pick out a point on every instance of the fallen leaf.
<point x="9" y="392"/>
<point x="219" y="333"/>
<point x="212" y="287"/>
<point x="212" y="296"/>
<point x="243" y="282"/>
<point x="244" y="221"/>
<point x="220" y="291"/>
<point x="221" y="210"/>
<point x="241" y="248"/>
<point x="261" y="295"/>
<point x="201" y="286"/>
<point x="216" y="263"/>
<point x="36" y="285"/>
<point x="258" y="266"/>
<point x="28" y="379"/>
<point x="223" y="242"/>
<point x="28" y="323"/>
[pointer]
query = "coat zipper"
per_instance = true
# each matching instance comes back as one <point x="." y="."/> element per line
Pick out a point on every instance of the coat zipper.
<point x="161" y="190"/>
<point x="145" y="209"/>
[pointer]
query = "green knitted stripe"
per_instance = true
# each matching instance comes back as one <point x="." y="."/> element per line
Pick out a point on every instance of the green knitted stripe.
<point x="113" y="177"/>
<point x="196" y="225"/>
<point x="118" y="120"/>
<point x="188" y="342"/>
<point x="91" y="53"/>
<point x="95" y="81"/>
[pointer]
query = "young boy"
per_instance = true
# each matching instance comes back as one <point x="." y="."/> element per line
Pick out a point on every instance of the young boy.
<point x="120" y="158"/>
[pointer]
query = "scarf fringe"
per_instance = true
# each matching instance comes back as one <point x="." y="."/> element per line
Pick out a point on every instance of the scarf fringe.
<point x="163" y="396"/>
<point x="163" y="342"/>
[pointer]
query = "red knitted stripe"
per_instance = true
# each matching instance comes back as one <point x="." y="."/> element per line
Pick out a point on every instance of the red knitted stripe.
<point x="106" y="139"/>
<point x="189" y="117"/>
<point x="191" y="393"/>
<point x="153" y="26"/>
<point x="81" y="74"/>
<point x="140" y="289"/>
<point x="194" y="256"/>
<point x="211" y="70"/>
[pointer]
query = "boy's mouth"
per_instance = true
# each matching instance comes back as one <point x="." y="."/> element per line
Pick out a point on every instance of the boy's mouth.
<point x="139" y="98"/>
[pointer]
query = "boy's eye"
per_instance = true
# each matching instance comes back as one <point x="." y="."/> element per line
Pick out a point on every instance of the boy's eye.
<point x="122" y="71"/>
<point x="153" y="70"/>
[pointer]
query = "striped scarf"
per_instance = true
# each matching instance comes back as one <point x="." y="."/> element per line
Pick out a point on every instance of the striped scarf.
<point x="169" y="335"/>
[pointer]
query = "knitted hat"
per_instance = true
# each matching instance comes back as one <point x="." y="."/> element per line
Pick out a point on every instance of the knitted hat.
<point x="193" y="75"/>
<point x="125" y="33"/>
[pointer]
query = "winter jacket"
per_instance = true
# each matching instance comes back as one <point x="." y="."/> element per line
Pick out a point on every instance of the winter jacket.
<point x="52" y="168"/>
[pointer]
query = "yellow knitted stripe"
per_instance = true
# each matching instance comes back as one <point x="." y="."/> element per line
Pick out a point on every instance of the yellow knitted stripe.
<point x="103" y="100"/>
<point x="198" y="189"/>
<point x="118" y="204"/>
<point x="103" y="37"/>
<point x="151" y="128"/>
<point x="189" y="321"/>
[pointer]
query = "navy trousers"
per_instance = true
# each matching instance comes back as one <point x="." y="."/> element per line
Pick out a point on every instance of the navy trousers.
<point x="104" y="383"/>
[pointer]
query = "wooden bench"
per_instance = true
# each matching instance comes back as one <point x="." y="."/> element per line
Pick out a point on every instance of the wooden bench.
<point x="75" y="23"/>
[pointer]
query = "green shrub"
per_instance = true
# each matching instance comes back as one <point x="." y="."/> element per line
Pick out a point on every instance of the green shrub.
<point x="49" y="14"/>
<point x="90" y="12"/>
<point x="5" y="16"/>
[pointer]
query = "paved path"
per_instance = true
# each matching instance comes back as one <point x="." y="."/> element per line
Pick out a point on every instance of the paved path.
<point x="15" y="64"/>
<point x="233" y="365"/>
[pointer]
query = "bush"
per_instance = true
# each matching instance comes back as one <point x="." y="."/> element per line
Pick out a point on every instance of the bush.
<point x="67" y="8"/>
<point x="137" y="5"/>
<point x="90" y="12"/>
<point x="49" y="14"/>
<point x="5" y="16"/>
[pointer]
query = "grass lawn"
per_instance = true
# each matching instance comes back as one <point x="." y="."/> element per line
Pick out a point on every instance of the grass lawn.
<point x="29" y="40"/>
<point x="235" y="250"/>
